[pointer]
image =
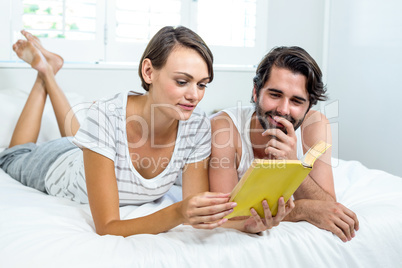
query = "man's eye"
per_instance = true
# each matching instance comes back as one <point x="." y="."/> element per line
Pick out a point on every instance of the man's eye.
<point x="273" y="95"/>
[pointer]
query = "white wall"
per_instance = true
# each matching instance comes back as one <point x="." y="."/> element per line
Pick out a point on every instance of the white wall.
<point x="360" y="61"/>
<point x="297" y="23"/>
<point x="364" y="70"/>
<point x="230" y="85"/>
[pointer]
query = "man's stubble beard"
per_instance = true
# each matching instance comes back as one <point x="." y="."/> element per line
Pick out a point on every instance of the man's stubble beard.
<point x="262" y="118"/>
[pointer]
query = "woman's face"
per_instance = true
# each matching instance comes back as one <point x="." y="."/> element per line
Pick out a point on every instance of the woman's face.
<point x="179" y="86"/>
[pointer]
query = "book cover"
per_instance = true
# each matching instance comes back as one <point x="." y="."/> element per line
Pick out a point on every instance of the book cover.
<point x="271" y="179"/>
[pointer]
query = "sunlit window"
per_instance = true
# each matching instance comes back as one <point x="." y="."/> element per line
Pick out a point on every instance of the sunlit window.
<point x="68" y="19"/>
<point x="227" y="22"/>
<point x="118" y="30"/>
<point x="139" y="20"/>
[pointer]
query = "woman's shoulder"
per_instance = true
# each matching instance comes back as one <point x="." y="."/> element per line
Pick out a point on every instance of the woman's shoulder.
<point x="115" y="98"/>
<point x="114" y="104"/>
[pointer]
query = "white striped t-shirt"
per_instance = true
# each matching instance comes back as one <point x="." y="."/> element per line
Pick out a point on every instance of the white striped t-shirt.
<point x="65" y="177"/>
<point x="104" y="132"/>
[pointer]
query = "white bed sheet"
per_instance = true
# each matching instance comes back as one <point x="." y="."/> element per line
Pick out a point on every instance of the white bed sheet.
<point x="37" y="230"/>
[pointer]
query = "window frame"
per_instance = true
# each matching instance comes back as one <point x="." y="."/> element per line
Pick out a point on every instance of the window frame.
<point x="104" y="49"/>
<point x="72" y="50"/>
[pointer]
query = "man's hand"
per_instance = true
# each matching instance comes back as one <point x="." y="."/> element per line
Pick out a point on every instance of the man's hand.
<point x="331" y="216"/>
<point x="255" y="224"/>
<point x="281" y="146"/>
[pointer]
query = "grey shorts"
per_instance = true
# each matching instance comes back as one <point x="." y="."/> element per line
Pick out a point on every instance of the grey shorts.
<point x="28" y="163"/>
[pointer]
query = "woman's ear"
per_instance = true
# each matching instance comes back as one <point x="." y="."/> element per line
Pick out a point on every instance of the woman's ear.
<point x="147" y="70"/>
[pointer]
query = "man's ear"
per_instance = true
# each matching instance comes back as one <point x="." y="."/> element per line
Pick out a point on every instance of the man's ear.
<point x="255" y="94"/>
<point x="147" y="70"/>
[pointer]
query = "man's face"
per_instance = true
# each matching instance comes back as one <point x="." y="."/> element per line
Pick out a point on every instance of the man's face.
<point x="284" y="95"/>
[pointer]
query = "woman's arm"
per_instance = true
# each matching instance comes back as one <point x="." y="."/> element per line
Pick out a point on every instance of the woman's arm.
<point x="103" y="199"/>
<point x="210" y="207"/>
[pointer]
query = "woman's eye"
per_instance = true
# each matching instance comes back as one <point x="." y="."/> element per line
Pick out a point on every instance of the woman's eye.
<point x="181" y="83"/>
<point x="202" y="86"/>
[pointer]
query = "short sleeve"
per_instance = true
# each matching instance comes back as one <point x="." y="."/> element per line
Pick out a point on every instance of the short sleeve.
<point x="200" y="129"/>
<point x="97" y="131"/>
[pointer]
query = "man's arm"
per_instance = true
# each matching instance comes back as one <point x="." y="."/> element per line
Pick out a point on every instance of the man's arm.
<point x="223" y="176"/>
<point x="315" y="199"/>
<point x="222" y="166"/>
<point x="319" y="184"/>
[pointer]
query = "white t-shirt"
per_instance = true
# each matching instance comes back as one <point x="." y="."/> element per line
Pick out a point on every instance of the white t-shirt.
<point x="241" y="117"/>
<point x="104" y="132"/>
<point x="66" y="177"/>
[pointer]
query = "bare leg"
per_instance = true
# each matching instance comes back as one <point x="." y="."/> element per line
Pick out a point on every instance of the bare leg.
<point x="67" y="122"/>
<point x="28" y="125"/>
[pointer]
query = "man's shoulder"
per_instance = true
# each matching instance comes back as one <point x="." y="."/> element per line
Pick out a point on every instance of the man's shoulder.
<point x="220" y="120"/>
<point x="239" y="110"/>
<point x="228" y="115"/>
<point x="314" y="119"/>
<point x="315" y="127"/>
<point x="226" y="139"/>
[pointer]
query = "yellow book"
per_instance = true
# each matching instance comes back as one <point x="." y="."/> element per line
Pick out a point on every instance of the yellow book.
<point x="271" y="179"/>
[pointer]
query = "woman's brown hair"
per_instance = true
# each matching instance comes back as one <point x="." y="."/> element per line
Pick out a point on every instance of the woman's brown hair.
<point x="163" y="43"/>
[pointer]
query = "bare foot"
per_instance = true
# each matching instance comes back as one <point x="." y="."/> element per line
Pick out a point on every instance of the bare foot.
<point x="56" y="61"/>
<point x="30" y="54"/>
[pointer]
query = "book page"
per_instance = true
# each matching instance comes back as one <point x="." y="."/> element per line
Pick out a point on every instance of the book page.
<point x="314" y="153"/>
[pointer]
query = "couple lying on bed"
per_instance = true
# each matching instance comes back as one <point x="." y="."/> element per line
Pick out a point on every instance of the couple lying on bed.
<point x="132" y="147"/>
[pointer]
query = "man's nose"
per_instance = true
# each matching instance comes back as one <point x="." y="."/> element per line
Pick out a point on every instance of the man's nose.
<point x="283" y="107"/>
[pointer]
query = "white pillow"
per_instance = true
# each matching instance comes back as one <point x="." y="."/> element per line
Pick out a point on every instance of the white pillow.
<point x="12" y="102"/>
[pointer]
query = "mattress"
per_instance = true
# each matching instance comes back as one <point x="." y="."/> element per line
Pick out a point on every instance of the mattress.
<point x="38" y="230"/>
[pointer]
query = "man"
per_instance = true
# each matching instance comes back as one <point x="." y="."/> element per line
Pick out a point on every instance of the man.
<point x="281" y="125"/>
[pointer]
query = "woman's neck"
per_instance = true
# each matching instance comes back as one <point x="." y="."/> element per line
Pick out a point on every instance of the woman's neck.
<point x="143" y="118"/>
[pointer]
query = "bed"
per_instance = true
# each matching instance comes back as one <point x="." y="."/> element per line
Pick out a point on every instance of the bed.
<point x="38" y="230"/>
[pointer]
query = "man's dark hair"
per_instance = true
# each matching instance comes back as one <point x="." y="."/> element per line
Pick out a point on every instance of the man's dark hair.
<point x="296" y="60"/>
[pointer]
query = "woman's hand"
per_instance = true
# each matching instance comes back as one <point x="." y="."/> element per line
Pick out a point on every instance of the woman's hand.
<point x="206" y="210"/>
<point x="255" y="224"/>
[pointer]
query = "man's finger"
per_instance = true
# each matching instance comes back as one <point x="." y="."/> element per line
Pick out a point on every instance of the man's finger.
<point x="352" y="215"/>
<point x="339" y="233"/>
<point x="344" y="227"/>
<point x="287" y="124"/>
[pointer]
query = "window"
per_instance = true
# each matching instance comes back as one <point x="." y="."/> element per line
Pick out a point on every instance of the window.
<point x="138" y="20"/>
<point x="132" y="23"/>
<point x="236" y="27"/>
<point x="232" y="29"/>
<point x="73" y="28"/>
<point x="69" y="19"/>
<point x="118" y="30"/>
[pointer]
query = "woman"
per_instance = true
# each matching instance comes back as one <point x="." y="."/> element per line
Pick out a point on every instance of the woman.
<point x="133" y="145"/>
